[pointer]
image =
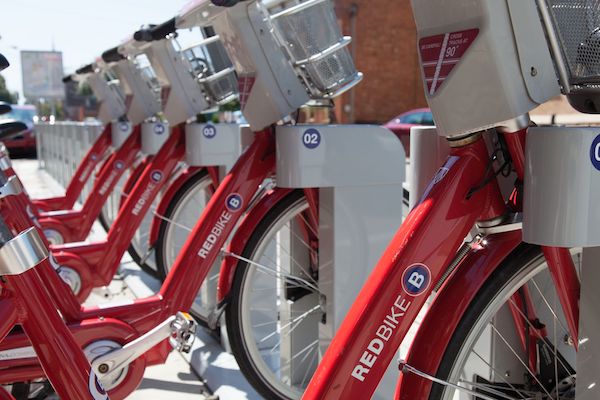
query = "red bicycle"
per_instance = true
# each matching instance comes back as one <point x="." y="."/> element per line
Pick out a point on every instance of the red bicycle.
<point x="141" y="326"/>
<point x="26" y="306"/>
<point x="495" y="329"/>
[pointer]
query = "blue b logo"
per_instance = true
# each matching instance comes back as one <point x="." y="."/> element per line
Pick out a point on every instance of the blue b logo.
<point x="159" y="129"/>
<point x="234" y="202"/>
<point x="416" y="279"/>
<point x="156" y="176"/>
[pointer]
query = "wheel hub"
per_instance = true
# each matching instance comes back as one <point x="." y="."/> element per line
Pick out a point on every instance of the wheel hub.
<point x="100" y="348"/>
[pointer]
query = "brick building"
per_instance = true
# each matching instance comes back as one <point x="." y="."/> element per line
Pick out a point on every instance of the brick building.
<point x="384" y="40"/>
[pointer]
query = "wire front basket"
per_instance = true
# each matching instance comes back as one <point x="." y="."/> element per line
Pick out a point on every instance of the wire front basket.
<point x="213" y="70"/>
<point x="576" y="26"/>
<point x="310" y="33"/>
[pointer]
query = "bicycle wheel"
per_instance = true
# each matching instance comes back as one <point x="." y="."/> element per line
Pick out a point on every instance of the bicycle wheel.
<point x="485" y="355"/>
<point x="276" y="306"/>
<point x="273" y="316"/>
<point x="177" y="222"/>
<point x="139" y="249"/>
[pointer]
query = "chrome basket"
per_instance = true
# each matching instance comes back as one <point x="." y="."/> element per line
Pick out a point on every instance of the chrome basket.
<point x="574" y="31"/>
<point x="142" y="63"/>
<point x="310" y="33"/>
<point x="209" y="64"/>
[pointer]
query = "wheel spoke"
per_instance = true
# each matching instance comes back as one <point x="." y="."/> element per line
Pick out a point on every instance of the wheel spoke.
<point x="533" y="375"/>
<point x="273" y="272"/>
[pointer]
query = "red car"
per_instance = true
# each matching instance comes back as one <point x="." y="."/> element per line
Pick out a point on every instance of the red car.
<point x="402" y="123"/>
<point x="24" y="142"/>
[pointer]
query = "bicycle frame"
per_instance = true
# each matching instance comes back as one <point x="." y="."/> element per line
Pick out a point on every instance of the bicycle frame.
<point x="97" y="262"/>
<point x="86" y="167"/>
<point x="75" y="225"/>
<point x="182" y="284"/>
<point x="24" y="301"/>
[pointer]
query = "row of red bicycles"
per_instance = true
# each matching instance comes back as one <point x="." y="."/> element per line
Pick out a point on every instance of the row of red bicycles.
<point x="491" y="256"/>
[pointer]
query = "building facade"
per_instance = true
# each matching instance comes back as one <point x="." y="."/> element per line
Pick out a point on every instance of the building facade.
<point x="385" y="50"/>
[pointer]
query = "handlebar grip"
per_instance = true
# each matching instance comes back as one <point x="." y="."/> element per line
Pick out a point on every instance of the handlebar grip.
<point x="67" y="79"/>
<point x="144" y="34"/>
<point x="88" y="69"/>
<point x="152" y="33"/>
<point x="160" y="31"/>
<point x="225" y="3"/>
<point x="112" y="55"/>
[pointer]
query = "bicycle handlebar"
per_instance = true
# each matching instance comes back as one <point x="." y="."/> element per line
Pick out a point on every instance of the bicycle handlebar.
<point x="112" y="55"/>
<point x="87" y="69"/>
<point x="225" y="3"/>
<point x="155" y="32"/>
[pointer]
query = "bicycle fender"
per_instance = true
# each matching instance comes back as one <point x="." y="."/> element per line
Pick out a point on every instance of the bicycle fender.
<point x="241" y="237"/>
<point x="446" y="311"/>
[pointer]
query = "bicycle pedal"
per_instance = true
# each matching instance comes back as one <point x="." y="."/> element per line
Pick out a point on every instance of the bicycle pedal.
<point x="183" y="332"/>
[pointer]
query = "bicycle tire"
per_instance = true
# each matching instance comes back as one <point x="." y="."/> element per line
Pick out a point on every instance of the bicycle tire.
<point x="188" y="190"/>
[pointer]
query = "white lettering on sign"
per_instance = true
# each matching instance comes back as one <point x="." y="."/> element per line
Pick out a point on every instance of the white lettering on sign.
<point x="215" y="233"/>
<point x="86" y="172"/>
<point x="108" y="182"/>
<point x="143" y="198"/>
<point x="382" y="335"/>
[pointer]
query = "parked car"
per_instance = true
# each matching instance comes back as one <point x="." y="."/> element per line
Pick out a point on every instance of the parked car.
<point x="402" y="123"/>
<point x="24" y="142"/>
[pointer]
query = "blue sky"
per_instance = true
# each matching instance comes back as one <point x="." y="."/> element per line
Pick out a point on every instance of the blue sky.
<point x="81" y="29"/>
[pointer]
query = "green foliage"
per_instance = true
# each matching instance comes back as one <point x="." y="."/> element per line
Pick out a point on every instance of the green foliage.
<point x="231" y="106"/>
<point x="5" y="95"/>
<point x="44" y="109"/>
<point x="85" y="90"/>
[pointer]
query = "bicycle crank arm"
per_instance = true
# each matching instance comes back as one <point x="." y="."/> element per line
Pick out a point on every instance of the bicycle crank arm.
<point x="180" y="329"/>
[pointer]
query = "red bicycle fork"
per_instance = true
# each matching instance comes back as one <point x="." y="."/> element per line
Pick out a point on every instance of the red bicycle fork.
<point x="560" y="262"/>
<point x="413" y="263"/>
<point x="462" y="287"/>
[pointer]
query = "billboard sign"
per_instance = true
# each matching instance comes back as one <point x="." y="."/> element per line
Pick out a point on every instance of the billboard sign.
<point x="42" y="74"/>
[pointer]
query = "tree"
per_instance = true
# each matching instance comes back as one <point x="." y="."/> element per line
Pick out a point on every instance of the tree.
<point x="5" y="95"/>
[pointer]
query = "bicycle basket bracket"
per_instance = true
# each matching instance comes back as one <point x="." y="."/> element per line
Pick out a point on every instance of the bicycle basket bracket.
<point x="483" y="62"/>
